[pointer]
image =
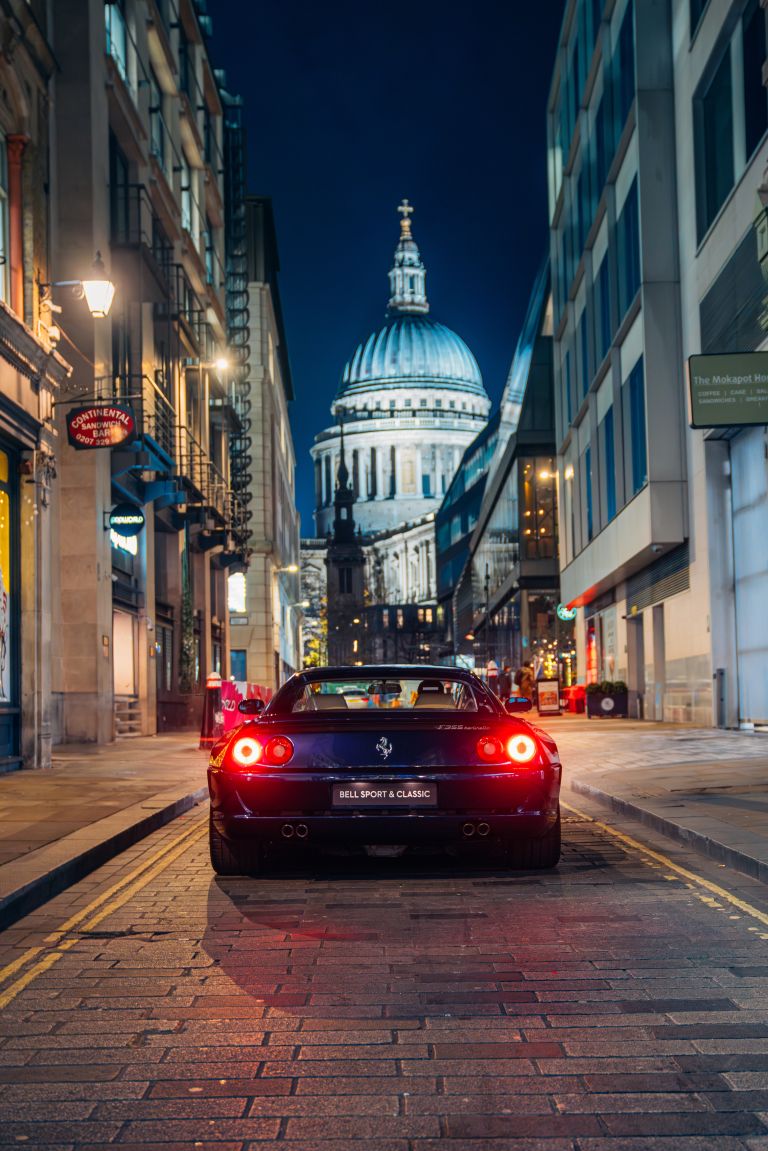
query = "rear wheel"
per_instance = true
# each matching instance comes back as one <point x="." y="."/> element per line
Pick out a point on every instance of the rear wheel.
<point x="230" y="858"/>
<point x="536" y="854"/>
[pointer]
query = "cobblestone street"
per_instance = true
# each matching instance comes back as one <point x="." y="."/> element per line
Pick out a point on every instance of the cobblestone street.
<point x="403" y="1005"/>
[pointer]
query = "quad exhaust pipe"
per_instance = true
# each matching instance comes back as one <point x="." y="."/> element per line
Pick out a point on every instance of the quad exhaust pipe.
<point x="301" y="831"/>
<point x="470" y="829"/>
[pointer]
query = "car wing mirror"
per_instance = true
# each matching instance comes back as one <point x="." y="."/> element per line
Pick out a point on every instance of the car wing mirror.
<point x="518" y="703"/>
<point x="251" y="706"/>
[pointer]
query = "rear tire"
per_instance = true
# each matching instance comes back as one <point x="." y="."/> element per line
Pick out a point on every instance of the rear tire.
<point x="232" y="859"/>
<point x="536" y="854"/>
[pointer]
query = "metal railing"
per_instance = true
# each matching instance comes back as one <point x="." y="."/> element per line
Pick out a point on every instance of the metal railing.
<point x="156" y="416"/>
<point x="135" y="223"/>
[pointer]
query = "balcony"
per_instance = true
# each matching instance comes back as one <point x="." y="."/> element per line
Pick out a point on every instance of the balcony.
<point x="156" y="418"/>
<point x="135" y="227"/>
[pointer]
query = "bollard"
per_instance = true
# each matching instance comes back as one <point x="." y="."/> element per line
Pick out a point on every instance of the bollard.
<point x="213" y="716"/>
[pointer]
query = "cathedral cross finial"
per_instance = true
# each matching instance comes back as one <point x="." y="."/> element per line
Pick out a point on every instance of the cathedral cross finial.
<point x="405" y="211"/>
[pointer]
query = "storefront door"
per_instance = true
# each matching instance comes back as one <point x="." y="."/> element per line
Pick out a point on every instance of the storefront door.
<point x="9" y="613"/>
<point x="124" y="653"/>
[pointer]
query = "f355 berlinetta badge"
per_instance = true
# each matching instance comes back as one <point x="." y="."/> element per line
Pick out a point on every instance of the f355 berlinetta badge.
<point x="384" y="747"/>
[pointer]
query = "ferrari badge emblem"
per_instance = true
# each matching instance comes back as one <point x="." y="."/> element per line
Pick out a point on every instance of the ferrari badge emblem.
<point x="384" y="747"/>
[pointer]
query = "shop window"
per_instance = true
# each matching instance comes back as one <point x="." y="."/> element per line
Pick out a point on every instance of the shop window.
<point x="164" y="658"/>
<point x="628" y="254"/>
<point x="713" y="137"/>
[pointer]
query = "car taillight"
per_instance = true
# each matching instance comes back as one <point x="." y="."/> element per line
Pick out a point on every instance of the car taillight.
<point x="521" y="748"/>
<point x="278" y="751"/>
<point x="518" y="748"/>
<point x="247" y="751"/>
<point x="490" y="749"/>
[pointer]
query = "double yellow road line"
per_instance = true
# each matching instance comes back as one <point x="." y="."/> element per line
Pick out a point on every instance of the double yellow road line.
<point x="654" y="858"/>
<point x="55" y="945"/>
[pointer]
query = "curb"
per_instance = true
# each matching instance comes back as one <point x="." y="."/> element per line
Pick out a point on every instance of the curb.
<point x="713" y="848"/>
<point x="30" y="881"/>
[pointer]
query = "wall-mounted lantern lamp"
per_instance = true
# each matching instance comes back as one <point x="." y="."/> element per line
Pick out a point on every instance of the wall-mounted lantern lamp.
<point x="98" y="292"/>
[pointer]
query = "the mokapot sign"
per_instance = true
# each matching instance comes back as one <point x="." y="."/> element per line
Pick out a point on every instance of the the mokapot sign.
<point x="729" y="390"/>
<point x="101" y="426"/>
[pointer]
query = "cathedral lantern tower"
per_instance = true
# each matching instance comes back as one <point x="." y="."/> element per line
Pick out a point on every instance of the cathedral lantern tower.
<point x="412" y="399"/>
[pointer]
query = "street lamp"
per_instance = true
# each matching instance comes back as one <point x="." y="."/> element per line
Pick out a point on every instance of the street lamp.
<point x="292" y="568"/>
<point x="98" y="292"/>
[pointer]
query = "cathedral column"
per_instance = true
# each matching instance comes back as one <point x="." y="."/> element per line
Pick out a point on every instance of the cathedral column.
<point x="419" y="482"/>
<point x="380" y="493"/>
<point x="438" y="472"/>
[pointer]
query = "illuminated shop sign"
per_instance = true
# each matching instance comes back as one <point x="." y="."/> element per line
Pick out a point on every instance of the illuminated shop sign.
<point x="565" y="613"/>
<point x="101" y="426"/>
<point x="126" y="519"/>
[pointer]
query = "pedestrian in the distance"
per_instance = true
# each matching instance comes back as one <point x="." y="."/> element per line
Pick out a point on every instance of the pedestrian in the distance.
<point x="505" y="682"/>
<point x="527" y="681"/>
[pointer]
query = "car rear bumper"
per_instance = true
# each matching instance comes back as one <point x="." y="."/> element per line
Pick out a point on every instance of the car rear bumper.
<point x="272" y="810"/>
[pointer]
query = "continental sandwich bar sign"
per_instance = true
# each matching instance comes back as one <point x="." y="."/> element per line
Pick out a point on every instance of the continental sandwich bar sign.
<point x="101" y="426"/>
<point x="729" y="390"/>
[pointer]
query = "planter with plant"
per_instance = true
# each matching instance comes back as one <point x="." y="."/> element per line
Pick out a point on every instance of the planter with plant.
<point x="608" y="699"/>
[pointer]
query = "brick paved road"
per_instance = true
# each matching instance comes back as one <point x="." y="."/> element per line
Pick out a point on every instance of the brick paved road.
<point x="392" y="1005"/>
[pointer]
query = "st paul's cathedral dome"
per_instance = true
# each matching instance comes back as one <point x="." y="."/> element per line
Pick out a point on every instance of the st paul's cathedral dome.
<point x="411" y="399"/>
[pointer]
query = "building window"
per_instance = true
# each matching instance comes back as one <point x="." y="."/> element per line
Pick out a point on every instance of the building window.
<point x="186" y="195"/>
<point x="422" y="403"/>
<point x="385" y="617"/>
<point x="697" y="11"/>
<point x="567" y="385"/>
<point x="603" y="310"/>
<point x="164" y="657"/>
<point x="236" y="592"/>
<point x="237" y="665"/>
<point x="117" y="35"/>
<point x="438" y="403"/>
<point x="345" y="581"/>
<point x="588" y="491"/>
<point x="755" y="95"/>
<point x="608" y="470"/>
<point x="584" y="352"/>
<point x="633" y="399"/>
<point x="156" y="121"/>
<point x="713" y="133"/>
<point x="400" y="618"/>
<point x="408" y="403"/>
<point x="391" y="405"/>
<point x="624" y="71"/>
<point x="426" y="485"/>
<point x="628" y="253"/>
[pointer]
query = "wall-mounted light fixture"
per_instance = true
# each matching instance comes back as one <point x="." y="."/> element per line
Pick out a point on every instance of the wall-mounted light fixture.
<point x="98" y="291"/>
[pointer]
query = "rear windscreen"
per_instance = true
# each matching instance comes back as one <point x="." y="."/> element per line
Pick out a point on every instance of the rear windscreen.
<point x="430" y="693"/>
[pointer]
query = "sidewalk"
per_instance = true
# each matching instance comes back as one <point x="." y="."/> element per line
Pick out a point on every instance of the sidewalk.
<point x="57" y="826"/>
<point x="703" y="787"/>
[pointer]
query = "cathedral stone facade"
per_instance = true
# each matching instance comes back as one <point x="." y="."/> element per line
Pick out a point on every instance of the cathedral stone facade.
<point x="411" y="399"/>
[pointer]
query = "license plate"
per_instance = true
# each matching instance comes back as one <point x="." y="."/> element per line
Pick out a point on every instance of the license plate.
<point x="408" y="794"/>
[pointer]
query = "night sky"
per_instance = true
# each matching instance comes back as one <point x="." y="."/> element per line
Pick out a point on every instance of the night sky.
<point x="353" y="105"/>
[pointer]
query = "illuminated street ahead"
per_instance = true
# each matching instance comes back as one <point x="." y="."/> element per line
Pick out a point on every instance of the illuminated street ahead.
<point x="398" y="1004"/>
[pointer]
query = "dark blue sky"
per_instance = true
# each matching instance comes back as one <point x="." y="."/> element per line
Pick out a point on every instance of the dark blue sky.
<point x="351" y="106"/>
